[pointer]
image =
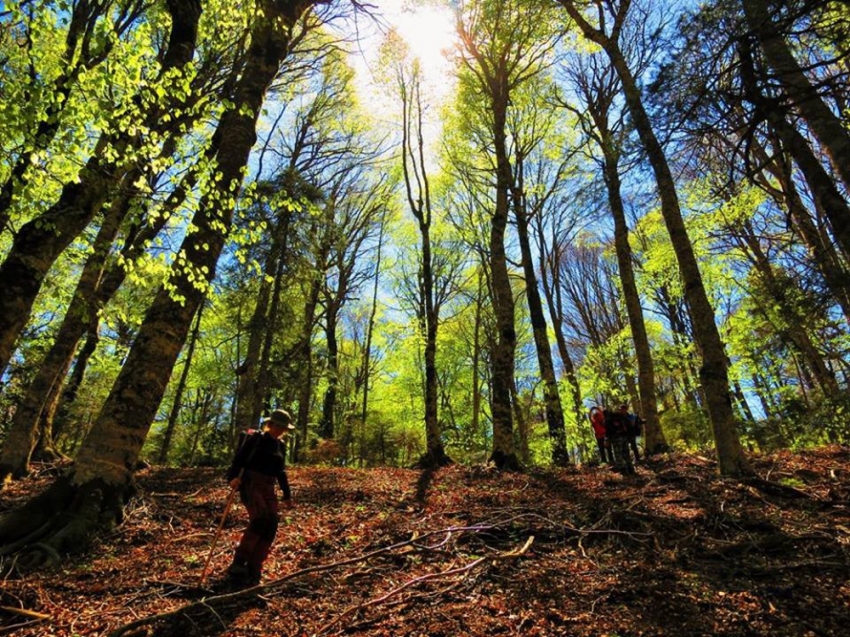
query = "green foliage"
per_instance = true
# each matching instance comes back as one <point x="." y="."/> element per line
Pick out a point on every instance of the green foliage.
<point x="687" y="428"/>
<point x="322" y="183"/>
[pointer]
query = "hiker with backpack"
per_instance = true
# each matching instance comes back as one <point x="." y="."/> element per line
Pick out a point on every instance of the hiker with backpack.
<point x="597" y="422"/>
<point x="616" y="430"/>
<point x="259" y="463"/>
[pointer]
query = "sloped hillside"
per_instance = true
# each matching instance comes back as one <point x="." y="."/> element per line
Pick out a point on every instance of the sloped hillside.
<point x="674" y="550"/>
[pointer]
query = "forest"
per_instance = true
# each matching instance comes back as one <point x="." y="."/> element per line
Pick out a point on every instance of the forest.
<point x="206" y="214"/>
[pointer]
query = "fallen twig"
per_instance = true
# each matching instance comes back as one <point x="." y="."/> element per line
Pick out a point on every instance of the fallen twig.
<point x="211" y="602"/>
<point x="26" y="613"/>
<point x="424" y="578"/>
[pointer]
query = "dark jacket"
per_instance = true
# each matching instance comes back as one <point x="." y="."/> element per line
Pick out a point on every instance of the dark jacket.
<point x="262" y="454"/>
<point x="616" y="424"/>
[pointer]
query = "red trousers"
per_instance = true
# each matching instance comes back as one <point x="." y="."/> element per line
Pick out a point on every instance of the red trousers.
<point x="259" y="497"/>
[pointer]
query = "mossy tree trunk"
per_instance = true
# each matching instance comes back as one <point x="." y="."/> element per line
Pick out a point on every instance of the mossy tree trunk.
<point x="64" y="517"/>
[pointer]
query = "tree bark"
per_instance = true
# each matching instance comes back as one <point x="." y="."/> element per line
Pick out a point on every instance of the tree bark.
<point x="77" y="57"/>
<point x="177" y="404"/>
<point x="40" y="241"/>
<point x="106" y="461"/>
<point x="249" y="395"/>
<point x="713" y="373"/>
<point x="305" y="355"/>
<point x="830" y="131"/>
<point x="824" y="189"/>
<point x="823" y="253"/>
<point x="554" y="302"/>
<point x="540" y="331"/>
<point x="647" y="407"/>
<point x="23" y="433"/>
<point x="413" y="168"/>
<point x="97" y="285"/>
<point x="326" y="425"/>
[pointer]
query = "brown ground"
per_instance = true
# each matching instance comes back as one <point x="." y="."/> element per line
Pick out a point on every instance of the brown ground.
<point x="673" y="551"/>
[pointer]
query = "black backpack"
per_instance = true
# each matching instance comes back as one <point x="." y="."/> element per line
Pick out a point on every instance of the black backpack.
<point x="636" y="425"/>
<point x="244" y="436"/>
<point x="241" y="443"/>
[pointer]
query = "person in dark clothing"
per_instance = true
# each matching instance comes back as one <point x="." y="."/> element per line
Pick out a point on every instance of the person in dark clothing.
<point x="597" y="422"/>
<point x="633" y="430"/>
<point x="616" y="430"/>
<point x="258" y="464"/>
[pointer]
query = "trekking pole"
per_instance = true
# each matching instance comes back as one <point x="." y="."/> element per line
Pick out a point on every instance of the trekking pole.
<point x="227" y="506"/>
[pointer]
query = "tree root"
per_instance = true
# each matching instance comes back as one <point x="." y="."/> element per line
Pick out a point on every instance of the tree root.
<point x="62" y="519"/>
<point x="777" y="489"/>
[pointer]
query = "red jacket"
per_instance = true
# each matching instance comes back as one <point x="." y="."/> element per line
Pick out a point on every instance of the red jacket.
<point x="597" y="421"/>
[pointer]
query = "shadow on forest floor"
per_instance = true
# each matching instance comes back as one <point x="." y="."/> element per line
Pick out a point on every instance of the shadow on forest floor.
<point x="674" y="550"/>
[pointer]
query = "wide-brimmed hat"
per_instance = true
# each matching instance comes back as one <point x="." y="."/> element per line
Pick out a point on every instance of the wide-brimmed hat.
<point x="281" y="418"/>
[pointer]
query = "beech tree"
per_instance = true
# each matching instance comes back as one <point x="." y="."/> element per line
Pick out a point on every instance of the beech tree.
<point x="91" y="495"/>
<point x="533" y="187"/>
<point x="597" y="87"/>
<point x="36" y="99"/>
<point x="433" y="282"/>
<point x="605" y="30"/>
<point x="503" y="44"/>
<point x="41" y="240"/>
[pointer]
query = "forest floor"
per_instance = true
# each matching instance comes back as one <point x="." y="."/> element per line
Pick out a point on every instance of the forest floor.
<point x="675" y="550"/>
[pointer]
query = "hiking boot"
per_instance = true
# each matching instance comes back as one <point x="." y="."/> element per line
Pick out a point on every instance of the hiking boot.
<point x="238" y="571"/>
<point x="253" y="575"/>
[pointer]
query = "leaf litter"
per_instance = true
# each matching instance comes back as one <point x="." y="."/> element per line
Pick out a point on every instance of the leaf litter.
<point x="674" y="550"/>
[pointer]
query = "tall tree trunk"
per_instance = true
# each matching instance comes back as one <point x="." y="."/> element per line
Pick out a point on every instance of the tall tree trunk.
<point x="522" y="428"/>
<point x="823" y="188"/>
<point x="742" y="402"/>
<point x="23" y="433"/>
<point x="417" y="189"/>
<point x="97" y="285"/>
<point x="504" y="351"/>
<point x="495" y="88"/>
<point x="305" y="356"/>
<point x="367" y="346"/>
<point x="59" y="408"/>
<point x="830" y="131"/>
<point x="823" y="253"/>
<point x="552" y="398"/>
<point x="177" y="404"/>
<point x="249" y="370"/>
<point x="713" y="372"/>
<point x="647" y="407"/>
<point x="553" y="293"/>
<point x="475" y="421"/>
<point x="780" y="289"/>
<point x="92" y="494"/>
<point x="326" y="425"/>
<point x="263" y="385"/>
<point x="435" y="455"/>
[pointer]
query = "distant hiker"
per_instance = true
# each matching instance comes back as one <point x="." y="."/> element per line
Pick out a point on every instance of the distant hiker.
<point x="597" y="422"/>
<point x="616" y="430"/>
<point x="633" y="430"/>
<point x="259" y="463"/>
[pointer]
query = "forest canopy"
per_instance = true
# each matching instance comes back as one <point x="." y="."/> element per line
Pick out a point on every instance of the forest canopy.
<point x="204" y="216"/>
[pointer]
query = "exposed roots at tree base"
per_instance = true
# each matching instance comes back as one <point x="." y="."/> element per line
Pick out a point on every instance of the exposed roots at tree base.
<point x="506" y="462"/>
<point x="433" y="460"/>
<point x="62" y="519"/>
<point x="48" y="454"/>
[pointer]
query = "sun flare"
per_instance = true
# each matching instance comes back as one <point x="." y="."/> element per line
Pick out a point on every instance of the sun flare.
<point x="429" y="32"/>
